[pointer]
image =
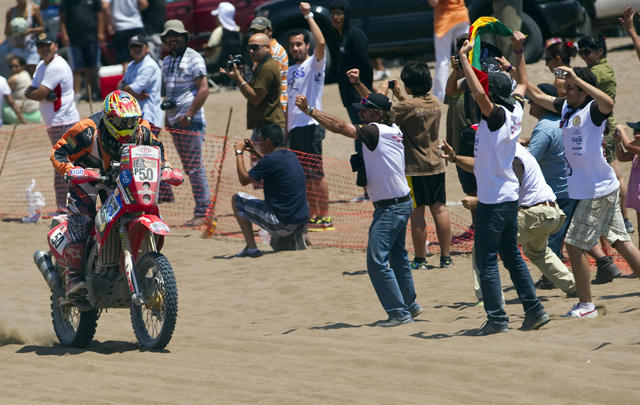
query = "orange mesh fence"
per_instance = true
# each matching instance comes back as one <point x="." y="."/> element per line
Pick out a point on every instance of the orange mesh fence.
<point x="29" y="158"/>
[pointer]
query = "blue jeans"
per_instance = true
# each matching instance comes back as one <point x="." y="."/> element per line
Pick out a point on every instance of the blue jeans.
<point x="188" y="142"/>
<point x="568" y="206"/>
<point x="388" y="261"/>
<point x="497" y="232"/>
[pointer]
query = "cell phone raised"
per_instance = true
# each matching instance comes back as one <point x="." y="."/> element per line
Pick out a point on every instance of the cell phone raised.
<point x="559" y="73"/>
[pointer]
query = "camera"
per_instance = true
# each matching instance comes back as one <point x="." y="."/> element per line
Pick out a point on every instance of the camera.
<point x="168" y="104"/>
<point x="247" y="143"/>
<point x="559" y="73"/>
<point x="392" y="84"/>
<point x="236" y="60"/>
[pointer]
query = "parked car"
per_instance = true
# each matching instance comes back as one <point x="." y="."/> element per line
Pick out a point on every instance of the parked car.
<point x="405" y="28"/>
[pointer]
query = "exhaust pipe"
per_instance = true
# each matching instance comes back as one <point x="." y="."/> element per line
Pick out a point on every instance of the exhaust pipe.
<point x="48" y="271"/>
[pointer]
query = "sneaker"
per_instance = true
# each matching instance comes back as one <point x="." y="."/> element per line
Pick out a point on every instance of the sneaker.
<point x="607" y="271"/>
<point x="480" y="304"/>
<point x="545" y="284"/>
<point x="536" y="321"/>
<point x="578" y="311"/>
<point x="394" y="322"/>
<point x="321" y="224"/>
<point x="467" y="236"/>
<point x="246" y="252"/>
<point x="627" y="224"/>
<point x="195" y="222"/>
<point x="446" y="262"/>
<point x="381" y="74"/>
<point x="491" y="328"/>
<point x="417" y="312"/>
<point x="418" y="265"/>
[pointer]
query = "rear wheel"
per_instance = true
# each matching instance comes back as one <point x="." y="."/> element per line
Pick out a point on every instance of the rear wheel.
<point x="155" y="320"/>
<point x="74" y="328"/>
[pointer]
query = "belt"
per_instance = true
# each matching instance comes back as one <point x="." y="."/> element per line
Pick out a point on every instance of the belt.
<point x="391" y="201"/>
<point x="547" y="203"/>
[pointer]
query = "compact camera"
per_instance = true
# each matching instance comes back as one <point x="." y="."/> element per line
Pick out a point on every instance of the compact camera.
<point x="236" y="60"/>
<point x="559" y="73"/>
<point x="168" y="104"/>
<point x="392" y="84"/>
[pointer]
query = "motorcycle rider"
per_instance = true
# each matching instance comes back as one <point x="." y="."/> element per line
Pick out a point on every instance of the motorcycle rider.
<point x="93" y="143"/>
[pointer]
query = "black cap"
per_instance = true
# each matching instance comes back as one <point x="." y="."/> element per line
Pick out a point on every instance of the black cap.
<point x="138" y="40"/>
<point x="374" y="101"/>
<point x="548" y="89"/>
<point x="634" y="125"/>
<point x="500" y="86"/>
<point x="45" y="38"/>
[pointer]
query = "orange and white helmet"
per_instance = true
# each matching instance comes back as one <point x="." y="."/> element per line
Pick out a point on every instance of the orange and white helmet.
<point x="121" y="116"/>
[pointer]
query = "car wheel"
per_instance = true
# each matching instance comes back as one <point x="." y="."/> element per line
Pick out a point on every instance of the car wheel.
<point x="585" y="28"/>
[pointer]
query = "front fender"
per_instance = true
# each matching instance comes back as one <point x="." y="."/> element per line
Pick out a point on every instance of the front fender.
<point x="138" y="227"/>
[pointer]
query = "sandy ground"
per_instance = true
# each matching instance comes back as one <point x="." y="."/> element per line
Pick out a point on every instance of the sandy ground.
<point x="296" y="327"/>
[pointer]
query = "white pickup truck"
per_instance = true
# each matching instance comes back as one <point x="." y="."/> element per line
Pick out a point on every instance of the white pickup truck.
<point x="605" y="13"/>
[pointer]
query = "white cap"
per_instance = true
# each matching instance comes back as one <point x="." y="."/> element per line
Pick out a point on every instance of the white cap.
<point x="224" y="8"/>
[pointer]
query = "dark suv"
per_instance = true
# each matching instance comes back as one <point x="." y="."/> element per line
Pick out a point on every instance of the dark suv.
<point x="404" y="28"/>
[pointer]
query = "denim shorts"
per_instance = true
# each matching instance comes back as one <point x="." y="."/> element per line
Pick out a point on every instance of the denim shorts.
<point x="85" y="56"/>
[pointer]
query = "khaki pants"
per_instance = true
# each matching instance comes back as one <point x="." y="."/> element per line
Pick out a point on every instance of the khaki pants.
<point x="535" y="224"/>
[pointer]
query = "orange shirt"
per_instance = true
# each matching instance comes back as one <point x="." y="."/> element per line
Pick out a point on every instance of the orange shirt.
<point x="447" y="14"/>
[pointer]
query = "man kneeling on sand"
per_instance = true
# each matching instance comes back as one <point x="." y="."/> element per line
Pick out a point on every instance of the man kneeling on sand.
<point x="284" y="211"/>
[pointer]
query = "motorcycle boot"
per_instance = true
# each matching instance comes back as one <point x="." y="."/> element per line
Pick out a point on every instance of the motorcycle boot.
<point x="73" y="254"/>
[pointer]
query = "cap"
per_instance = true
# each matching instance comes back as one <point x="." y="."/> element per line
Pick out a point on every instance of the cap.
<point x="500" y="86"/>
<point x="224" y="7"/>
<point x="374" y="101"/>
<point x="260" y="24"/>
<point x="634" y="125"/>
<point x="45" y="38"/>
<point x="138" y="40"/>
<point x="548" y="89"/>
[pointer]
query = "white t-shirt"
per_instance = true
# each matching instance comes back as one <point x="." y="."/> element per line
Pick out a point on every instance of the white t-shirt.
<point x="56" y="76"/>
<point x="494" y="153"/>
<point x="588" y="173"/>
<point x="534" y="188"/>
<point x="125" y="14"/>
<point x="4" y="91"/>
<point x="307" y="79"/>
<point x="385" y="164"/>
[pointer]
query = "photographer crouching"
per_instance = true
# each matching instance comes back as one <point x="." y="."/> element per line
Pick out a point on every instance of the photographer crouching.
<point x="186" y="86"/>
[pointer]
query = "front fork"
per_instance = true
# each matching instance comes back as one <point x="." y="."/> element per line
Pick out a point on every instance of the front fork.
<point x="136" y="296"/>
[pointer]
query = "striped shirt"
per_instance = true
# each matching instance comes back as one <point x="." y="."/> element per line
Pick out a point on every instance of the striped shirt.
<point x="179" y="74"/>
<point x="280" y="55"/>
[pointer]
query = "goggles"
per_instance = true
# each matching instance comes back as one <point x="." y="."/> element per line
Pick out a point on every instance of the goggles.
<point x="254" y="47"/>
<point x="121" y="123"/>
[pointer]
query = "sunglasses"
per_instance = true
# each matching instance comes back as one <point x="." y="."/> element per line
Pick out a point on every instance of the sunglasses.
<point x="124" y="122"/>
<point x="365" y="102"/>
<point x="14" y="66"/>
<point x="173" y="34"/>
<point x="254" y="47"/>
<point x="585" y="51"/>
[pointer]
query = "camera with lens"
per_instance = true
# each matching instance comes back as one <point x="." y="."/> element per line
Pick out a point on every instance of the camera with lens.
<point x="168" y="104"/>
<point x="236" y="60"/>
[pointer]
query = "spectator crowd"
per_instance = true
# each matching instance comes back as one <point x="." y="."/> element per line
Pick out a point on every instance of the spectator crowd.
<point x="561" y="185"/>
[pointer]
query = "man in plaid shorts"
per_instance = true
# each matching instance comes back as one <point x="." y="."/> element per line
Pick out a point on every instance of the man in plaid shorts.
<point x="584" y="110"/>
<point x="284" y="210"/>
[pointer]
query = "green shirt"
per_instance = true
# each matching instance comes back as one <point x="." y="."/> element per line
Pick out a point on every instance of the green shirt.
<point x="606" y="82"/>
<point x="266" y="76"/>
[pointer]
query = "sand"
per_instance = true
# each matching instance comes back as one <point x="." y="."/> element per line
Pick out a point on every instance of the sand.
<point x="296" y="327"/>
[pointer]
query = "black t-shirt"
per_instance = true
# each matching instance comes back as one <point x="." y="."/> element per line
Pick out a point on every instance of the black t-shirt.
<point x="497" y="118"/>
<point x="285" y="189"/>
<point x="81" y="20"/>
<point x="368" y="135"/>
<point x="154" y="17"/>
<point x="597" y="117"/>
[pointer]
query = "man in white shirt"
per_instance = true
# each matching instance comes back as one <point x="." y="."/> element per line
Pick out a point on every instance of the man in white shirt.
<point x="497" y="213"/>
<point x="304" y="133"/>
<point x="383" y="155"/>
<point x="584" y="110"/>
<point x="52" y="86"/>
<point x="124" y="20"/>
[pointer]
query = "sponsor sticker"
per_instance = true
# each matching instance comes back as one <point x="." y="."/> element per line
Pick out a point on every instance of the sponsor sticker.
<point x="576" y="121"/>
<point x="76" y="172"/>
<point x="159" y="227"/>
<point x="145" y="151"/>
<point x="125" y="177"/>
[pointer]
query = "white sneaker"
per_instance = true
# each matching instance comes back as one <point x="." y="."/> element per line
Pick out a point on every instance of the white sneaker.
<point x="380" y="74"/>
<point x="579" y="311"/>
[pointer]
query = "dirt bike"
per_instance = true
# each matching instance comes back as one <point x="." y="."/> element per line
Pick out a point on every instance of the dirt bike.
<point x="122" y="265"/>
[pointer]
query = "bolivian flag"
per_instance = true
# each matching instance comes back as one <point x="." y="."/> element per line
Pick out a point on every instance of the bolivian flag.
<point x="484" y="25"/>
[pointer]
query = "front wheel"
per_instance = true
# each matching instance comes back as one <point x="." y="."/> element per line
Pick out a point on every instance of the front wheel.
<point x="155" y="320"/>
<point x="74" y="328"/>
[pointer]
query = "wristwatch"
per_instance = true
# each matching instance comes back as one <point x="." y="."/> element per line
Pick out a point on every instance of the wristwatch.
<point x="309" y="110"/>
<point x="238" y="152"/>
<point x="188" y="118"/>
